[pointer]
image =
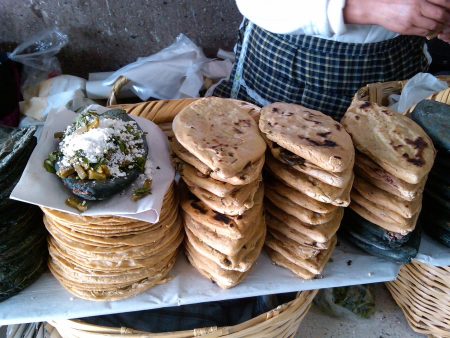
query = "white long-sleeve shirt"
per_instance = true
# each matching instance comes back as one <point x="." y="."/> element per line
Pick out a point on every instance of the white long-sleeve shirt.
<point x="320" y="18"/>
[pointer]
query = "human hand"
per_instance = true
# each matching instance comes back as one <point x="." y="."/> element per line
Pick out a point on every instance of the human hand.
<point x="445" y="35"/>
<point x="407" y="17"/>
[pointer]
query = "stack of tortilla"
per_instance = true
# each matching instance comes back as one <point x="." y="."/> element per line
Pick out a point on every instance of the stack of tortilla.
<point x="221" y="155"/>
<point x="308" y="182"/>
<point x="112" y="258"/>
<point x="434" y="118"/>
<point x="22" y="235"/>
<point x="394" y="157"/>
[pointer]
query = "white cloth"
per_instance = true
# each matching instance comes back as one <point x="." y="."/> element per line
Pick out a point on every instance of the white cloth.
<point x="320" y="18"/>
<point x="51" y="94"/>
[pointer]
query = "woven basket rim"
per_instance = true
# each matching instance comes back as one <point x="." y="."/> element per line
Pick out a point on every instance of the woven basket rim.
<point x="284" y="318"/>
<point x="422" y="292"/>
<point x="379" y="92"/>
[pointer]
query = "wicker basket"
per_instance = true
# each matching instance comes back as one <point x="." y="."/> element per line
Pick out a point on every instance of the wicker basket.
<point x="280" y="322"/>
<point x="423" y="293"/>
<point x="163" y="111"/>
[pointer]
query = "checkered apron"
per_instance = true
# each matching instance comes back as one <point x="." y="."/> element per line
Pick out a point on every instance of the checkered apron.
<point x="316" y="73"/>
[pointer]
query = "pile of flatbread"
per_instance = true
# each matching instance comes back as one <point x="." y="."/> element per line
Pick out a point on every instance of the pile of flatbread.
<point x="112" y="258"/>
<point x="393" y="159"/>
<point x="220" y="159"/>
<point x="308" y="182"/>
<point x="23" y="252"/>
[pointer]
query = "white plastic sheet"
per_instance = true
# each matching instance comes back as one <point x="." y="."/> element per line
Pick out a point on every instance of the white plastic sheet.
<point x="432" y="252"/>
<point x="46" y="299"/>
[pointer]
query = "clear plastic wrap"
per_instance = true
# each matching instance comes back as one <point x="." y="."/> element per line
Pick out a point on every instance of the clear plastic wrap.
<point x="38" y="55"/>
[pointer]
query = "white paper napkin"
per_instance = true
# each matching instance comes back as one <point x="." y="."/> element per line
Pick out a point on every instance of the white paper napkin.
<point x="39" y="187"/>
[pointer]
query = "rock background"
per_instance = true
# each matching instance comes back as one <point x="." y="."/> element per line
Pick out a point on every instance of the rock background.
<point x="107" y="34"/>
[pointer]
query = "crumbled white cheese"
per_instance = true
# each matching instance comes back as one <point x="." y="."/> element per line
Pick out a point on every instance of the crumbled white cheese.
<point x="81" y="145"/>
<point x="148" y="169"/>
<point x="94" y="143"/>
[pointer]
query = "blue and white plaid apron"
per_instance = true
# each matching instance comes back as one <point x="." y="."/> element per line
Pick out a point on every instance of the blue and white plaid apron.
<point x="316" y="73"/>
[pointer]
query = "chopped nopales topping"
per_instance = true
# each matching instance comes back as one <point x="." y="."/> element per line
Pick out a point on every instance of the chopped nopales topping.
<point x="100" y="148"/>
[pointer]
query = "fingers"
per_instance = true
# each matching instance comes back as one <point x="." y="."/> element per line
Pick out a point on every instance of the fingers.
<point x="442" y="3"/>
<point x="432" y="18"/>
<point x="429" y="25"/>
<point x="410" y="17"/>
<point x="436" y="13"/>
<point x="445" y="35"/>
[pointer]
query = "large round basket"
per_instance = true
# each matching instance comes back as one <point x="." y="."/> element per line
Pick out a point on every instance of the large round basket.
<point x="281" y="322"/>
<point x="423" y="293"/>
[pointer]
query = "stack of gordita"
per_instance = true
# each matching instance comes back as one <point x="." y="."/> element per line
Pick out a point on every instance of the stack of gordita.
<point x="308" y="182"/>
<point x="221" y="156"/>
<point x="393" y="159"/>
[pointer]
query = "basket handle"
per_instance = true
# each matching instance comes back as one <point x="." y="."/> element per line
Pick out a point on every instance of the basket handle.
<point x="117" y="87"/>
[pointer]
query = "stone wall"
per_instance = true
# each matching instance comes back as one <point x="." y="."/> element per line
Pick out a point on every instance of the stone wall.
<point x="107" y="34"/>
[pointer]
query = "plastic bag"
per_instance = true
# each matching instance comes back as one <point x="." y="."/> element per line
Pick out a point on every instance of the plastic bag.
<point x="172" y="73"/>
<point x="178" y="71"/>
<point x="37" y="54"/>
<point x="419" y="87"/>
